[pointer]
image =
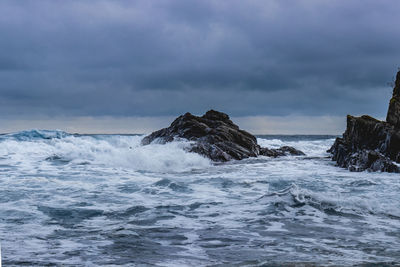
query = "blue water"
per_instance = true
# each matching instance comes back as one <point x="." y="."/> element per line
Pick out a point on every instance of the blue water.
<point x="106" y="200"/>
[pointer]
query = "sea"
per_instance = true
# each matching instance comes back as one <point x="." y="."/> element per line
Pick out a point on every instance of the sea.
<point x="106" y="200"/>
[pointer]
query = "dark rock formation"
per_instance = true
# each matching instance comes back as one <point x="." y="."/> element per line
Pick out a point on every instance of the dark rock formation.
<point x="393" y="115"/>
<point x="216" y="137"/>
<point x="283" y="151"/>
<point x="367" y="144"/>
<point x="370" y="144"/>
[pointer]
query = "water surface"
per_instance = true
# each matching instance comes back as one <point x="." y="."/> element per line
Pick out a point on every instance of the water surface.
<point x="106" y="200"/>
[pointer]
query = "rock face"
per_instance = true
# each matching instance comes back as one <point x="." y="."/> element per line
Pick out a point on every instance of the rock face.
<point x="370" y="144"/>
<point x="216" y="137"/>
<point x="393" y="115"/>
<point x="283" y="151"/>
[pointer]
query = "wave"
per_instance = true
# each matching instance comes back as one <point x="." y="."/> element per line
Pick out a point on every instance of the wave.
<point x="296" y="197"/>
<point x="29" y="148"/>
<point x="35" y="134"/>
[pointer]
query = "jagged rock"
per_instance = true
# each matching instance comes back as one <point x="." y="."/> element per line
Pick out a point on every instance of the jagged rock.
<point x="216" y="137"/>
<point x="368" y="144"/>
<point x="393" y="115"/>
<point x="283" y="151"/>
<point x="371" y="160"/>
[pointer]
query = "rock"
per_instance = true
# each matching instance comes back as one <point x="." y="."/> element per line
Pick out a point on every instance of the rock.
<point x="283" y="151"/>
<point x="372" y="161"/>
<point x="215" y="136"/>
<point x="370" y="144"/>
<point x="393" y="115"/>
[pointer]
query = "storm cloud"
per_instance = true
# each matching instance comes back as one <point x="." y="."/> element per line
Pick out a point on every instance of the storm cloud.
<point x="164" y="58"/>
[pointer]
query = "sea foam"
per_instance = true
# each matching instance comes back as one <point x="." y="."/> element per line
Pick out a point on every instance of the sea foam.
<point x="108" y="200"/>
<point x="29" y="147"/>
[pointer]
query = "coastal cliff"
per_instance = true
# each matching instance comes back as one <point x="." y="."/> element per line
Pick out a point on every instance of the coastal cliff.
<point x="370" y="144"/>
<point x="215" y="136"/>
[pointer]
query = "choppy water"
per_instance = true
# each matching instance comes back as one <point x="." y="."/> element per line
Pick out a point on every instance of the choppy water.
<point x="106" y="200"/>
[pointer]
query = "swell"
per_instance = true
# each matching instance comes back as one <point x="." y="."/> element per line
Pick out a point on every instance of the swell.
<point x="295" y="197"/>
<point x="34" y="134"/>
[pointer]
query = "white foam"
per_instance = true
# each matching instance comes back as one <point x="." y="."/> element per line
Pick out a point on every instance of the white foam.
<point x="254" y="201"/>
<point x="109" y="151"/>
<point x="309" y="147"/>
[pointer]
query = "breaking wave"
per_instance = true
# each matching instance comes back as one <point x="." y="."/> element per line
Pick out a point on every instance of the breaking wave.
<point x="34" y="135"/>
<point x="107" y="200"/>
<point x="58" y="147"/>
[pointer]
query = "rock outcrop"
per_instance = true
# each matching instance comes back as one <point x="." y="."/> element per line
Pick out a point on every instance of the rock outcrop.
<point x="393" y="115"/>
<point x="283" y="151"/>
<point x="215" y="136"/>
<point x="370" y="144"/>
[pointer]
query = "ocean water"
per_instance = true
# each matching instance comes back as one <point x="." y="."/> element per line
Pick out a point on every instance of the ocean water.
<point x="90" y="200"/>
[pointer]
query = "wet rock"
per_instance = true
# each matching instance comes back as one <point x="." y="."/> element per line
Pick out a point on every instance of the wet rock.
<point x="283" y="151"/>
<point x="370" y="144"/>
<point x="371" y="160"/>
<point x="393" y="115"/>
<point x="215" y="136"/>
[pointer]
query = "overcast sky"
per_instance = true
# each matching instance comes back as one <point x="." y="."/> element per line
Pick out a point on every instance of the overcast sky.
<point x="137" y="64"/>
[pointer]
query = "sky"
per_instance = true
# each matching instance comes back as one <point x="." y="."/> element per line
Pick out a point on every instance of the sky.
<point x="290" y="67"/>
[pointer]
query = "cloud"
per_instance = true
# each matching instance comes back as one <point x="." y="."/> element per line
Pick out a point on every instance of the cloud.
<point x="163" y="58"/>
<point x="293" y="124"/>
